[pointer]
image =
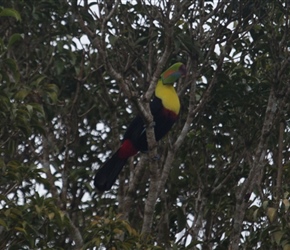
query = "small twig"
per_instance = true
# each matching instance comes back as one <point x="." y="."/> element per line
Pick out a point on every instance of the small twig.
<point x="280" y="162"/>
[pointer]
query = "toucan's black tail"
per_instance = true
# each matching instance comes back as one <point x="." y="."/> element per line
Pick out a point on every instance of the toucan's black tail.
<point x="108" y="173"/>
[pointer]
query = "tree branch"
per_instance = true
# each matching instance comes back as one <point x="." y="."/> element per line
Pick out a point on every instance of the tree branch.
<point x="256" y="171"/>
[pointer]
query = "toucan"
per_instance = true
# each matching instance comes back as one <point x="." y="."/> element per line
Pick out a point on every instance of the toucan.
<point x="164" y="107"/>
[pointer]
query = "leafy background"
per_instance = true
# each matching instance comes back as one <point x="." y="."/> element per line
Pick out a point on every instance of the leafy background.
<point x="74" y="73"/>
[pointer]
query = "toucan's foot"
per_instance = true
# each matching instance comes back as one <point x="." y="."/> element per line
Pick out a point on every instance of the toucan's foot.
<point x="156" y="157"/>
<point x="152" y="124"/>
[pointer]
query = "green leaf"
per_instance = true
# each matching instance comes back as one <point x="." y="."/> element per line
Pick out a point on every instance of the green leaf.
<point x="51" y="216"/>
<point x="272" y="213"/>
<point x="20" y="229"/>
<point x="59" y="65"/>
<point x="14" y="39"/>
<point x="38" y="209"/>
<point x="12" y="66"/>
<point x="51" y="90"/>
<point x="29" y="109"/>
<point x="3" y="223"/>
<point x="7" y="12"/>
<point x="278" y="236"/>
<point x="38" y="80"/>
<point x="265" y="204"/>
<point x="2" y="163"/>
<point x="255" y="214"/>
<point x="21" y="94"/>
<point x="14" y="164"/>
<point x="286" y="204"/>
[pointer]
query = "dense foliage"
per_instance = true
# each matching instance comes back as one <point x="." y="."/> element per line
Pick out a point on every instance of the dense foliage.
<point x="72" y="76"/>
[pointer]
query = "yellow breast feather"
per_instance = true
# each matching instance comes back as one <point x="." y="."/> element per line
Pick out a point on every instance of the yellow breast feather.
<point x="168" y="96"/>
